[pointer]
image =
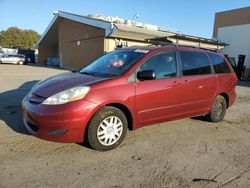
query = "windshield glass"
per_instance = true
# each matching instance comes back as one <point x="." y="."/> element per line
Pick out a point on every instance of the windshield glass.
<point x="113" y="64"/>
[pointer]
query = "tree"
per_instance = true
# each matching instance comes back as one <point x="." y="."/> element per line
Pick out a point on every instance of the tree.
<point x="14" y="37"/>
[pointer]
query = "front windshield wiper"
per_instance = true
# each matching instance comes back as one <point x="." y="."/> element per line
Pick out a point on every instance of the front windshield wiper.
<point x="87" y="73"/>
<point x="99" y="74"/>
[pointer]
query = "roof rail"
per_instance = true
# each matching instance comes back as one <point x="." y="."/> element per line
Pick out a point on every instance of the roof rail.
<point x="198" y="47"/>
<point x="178" y="45"/>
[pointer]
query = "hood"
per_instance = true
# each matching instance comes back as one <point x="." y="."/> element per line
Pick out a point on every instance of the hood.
<point x="61" y="82"/>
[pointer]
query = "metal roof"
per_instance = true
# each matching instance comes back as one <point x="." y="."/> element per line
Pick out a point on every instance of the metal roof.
<point x="136" y="33"/>
<point x="115" y="30"/>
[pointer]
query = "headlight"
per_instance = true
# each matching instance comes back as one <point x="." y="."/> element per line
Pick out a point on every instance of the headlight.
<point x="68" y="95"/>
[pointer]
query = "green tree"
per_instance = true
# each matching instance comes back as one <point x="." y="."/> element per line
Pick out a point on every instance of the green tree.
<point x="14" y="37"/>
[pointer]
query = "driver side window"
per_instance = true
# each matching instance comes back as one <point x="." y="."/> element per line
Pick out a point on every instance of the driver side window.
<point x="163" y="64"/>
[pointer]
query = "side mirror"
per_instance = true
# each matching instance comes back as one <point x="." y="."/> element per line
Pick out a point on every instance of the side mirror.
<point x="146" y="75"/>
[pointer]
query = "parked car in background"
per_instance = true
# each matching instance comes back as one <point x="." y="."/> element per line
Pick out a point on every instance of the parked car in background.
<point x="128" y="89"/>
<point x="1" y="53"/>
<point x="17" y="59"/>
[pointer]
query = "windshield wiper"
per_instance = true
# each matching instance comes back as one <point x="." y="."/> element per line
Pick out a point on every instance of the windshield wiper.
<point x="99" y="74"/>
<point x="87" y="73"/>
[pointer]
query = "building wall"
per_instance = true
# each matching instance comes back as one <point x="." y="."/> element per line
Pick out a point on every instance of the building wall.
<point x="239" y="39"/>
<point x="45" y="52"/>
<point x="231" y="18"/>
<point x="79" y="44"/>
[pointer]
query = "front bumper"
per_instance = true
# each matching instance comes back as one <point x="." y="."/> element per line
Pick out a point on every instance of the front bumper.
<point x="59" y="123"/>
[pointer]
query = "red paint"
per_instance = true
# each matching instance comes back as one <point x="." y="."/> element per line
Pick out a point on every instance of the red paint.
<point x="149" y="102"/>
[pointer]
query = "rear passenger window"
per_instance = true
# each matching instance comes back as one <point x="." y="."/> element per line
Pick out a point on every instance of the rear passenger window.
<point x="194" y="63"/>
<point x="220" y="66"/>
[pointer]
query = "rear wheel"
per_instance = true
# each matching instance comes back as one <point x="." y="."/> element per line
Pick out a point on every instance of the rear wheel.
<point x="107" y="128"/>
<point x="218" y="110"/>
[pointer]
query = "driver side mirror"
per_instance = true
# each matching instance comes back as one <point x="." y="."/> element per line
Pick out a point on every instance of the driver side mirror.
<point x="146" y="75"/>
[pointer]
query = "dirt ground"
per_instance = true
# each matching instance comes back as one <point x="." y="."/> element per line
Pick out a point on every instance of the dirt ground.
<point x="174" y="154"/>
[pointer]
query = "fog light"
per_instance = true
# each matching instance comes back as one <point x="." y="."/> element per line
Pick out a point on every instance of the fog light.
<point x="63" y="131"/>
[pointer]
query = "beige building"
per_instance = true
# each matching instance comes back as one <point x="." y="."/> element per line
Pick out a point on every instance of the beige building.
<point x="233" y="28"/>
<point x="76" y="40"/>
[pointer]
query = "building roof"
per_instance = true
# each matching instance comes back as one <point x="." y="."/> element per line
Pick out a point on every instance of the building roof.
<point x="50" y="34"/>
<point x="232" y="10"/>
<point x="113" y="29"/>
<point x="136" y="33"/>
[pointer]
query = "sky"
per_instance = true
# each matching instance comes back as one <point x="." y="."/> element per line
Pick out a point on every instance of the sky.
<point x="193" y="17"/>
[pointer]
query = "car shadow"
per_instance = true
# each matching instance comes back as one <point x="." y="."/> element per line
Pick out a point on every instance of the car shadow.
<point x="11" y="106"/>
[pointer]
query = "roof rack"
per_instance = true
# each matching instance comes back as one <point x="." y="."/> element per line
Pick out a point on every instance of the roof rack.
<point x="169" y="43"/>
<point x="198" y="47"/>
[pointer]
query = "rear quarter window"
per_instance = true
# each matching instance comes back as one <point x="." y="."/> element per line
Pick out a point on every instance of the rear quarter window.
<point x="194" y="63"/>
<point x="219" y="63"/>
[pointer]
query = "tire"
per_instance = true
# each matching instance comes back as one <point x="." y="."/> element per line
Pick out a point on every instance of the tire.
<point x="103" y="136"/>
<point x="218" y="110"/>
<point x="20" y="62"/>
<point x="1" y="62"/>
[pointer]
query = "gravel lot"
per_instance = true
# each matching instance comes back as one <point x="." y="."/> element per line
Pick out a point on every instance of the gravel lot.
<point x="173" y="154"/>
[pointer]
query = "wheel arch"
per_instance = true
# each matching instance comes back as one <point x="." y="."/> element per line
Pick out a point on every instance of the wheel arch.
<point x="118" y="105"/>
<point x="226" y="96"/>
<point x="126" y="111"/>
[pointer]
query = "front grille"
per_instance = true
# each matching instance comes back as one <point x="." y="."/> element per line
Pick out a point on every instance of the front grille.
<point x="36" y="99"/>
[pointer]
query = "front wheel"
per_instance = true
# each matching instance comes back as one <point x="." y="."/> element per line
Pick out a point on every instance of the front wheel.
<point x="107" y="128"/>
<point x="218" y="110"/>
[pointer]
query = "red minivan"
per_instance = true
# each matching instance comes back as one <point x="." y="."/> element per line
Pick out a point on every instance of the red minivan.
<point x="128" y="89"/>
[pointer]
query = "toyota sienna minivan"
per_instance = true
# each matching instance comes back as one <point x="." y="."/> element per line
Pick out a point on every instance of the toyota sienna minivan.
<point x="127" y="89"/>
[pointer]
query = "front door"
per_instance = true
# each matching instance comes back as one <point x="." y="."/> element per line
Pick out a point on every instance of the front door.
<point x="158" y="100"/>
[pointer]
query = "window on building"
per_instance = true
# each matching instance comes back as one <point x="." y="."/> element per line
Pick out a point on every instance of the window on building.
<point x="194" y="63"/>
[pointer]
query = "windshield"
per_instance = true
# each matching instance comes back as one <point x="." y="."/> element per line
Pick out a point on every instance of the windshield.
<point x="113" y="64"/>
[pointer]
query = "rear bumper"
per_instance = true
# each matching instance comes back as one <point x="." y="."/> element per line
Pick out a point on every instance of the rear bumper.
<point x="59" y="123"/>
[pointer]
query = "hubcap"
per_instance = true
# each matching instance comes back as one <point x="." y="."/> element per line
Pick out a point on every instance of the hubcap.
<point x="110" y="130"/>
<point x="218" y="109"/>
